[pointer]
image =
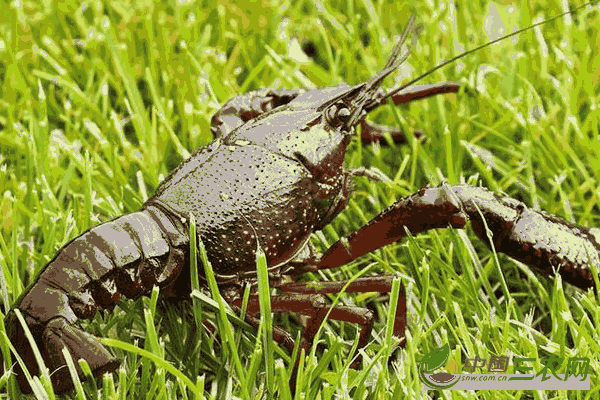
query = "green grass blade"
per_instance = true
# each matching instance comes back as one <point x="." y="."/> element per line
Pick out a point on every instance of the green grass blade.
<point x="266" y="319"/>
<point x="225" y="326"/>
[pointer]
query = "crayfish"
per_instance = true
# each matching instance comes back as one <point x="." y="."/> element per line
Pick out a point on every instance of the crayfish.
<point x="273" y="176"/>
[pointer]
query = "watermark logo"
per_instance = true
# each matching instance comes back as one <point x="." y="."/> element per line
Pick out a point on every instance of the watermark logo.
<point x="432" y="362"/>
<point x="574" y="377"/>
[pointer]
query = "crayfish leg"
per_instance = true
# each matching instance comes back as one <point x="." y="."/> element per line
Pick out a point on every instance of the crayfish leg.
<point x="307" y="299"/>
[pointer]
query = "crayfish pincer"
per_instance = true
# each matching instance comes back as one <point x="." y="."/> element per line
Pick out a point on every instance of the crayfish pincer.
<point x="273" y="176"/>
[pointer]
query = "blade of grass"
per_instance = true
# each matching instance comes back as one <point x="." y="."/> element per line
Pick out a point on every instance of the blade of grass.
<point x="225" y="325"/>
<point x="266" y="318"/>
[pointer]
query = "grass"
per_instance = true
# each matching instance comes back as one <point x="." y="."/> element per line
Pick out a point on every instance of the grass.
<point x="527" y="125"/>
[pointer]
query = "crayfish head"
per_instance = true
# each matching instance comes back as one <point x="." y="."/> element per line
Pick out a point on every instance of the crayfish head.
<point x="344" y="111"/>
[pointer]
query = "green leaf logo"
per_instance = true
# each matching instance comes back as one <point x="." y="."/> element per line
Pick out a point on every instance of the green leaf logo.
<point x="436" y="359"/>
<point x="432" y="361"/>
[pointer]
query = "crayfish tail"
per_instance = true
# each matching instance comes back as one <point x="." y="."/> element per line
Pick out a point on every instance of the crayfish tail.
<point x="56" y="335"/>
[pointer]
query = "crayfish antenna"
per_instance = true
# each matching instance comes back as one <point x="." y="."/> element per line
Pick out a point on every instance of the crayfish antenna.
<point x="474" y="50"/>
<point x="364" y="99"/>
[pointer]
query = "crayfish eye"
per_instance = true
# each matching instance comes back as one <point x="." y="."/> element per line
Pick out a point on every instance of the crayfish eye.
<point x="337" y="115"/>
<point x="343" y="114"/>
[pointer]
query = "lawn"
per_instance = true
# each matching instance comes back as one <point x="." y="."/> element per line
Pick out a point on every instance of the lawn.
<point x="99" y="102"/>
